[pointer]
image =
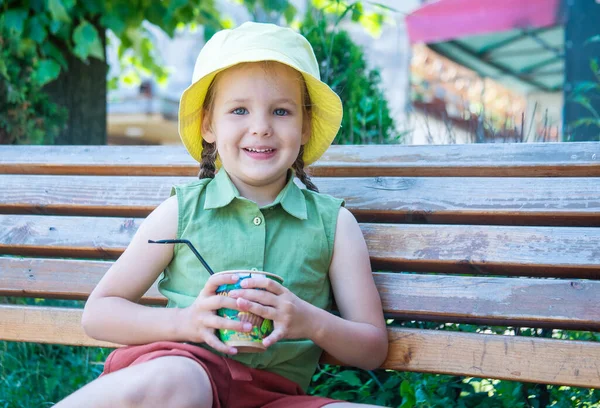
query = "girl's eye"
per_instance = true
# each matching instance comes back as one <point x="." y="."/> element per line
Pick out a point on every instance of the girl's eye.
<point x="239" y="111"/>
<point x="280" y="112"/>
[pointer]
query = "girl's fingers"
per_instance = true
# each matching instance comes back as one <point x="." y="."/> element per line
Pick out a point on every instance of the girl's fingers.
<point x="263" y="311"/>
<point x="218" y="322"/>
<point x="218" y="345"/>
<point x="219" y="302"/>
<point x="263" y="283"/>
<point x="213" y="283"/>
<point x="260" y="296"/>
<point x="273" y="338"/>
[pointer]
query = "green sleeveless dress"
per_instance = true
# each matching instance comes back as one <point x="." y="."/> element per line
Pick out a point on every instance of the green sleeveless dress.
<point x="292" y="237"/>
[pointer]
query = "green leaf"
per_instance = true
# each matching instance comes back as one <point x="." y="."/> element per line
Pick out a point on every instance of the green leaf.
<point x="3" y="70"/>
<point x="357" y="12"/>
<point x="275" y="5"/>
<point x="408" y="402"/>
<point x="93" y="7"/>
<point x="47" y="70"/>
<point x="114" y="23"/>
<point x="585" y="86"/>
<point x="175" y="4"/>
<point x="55" y="26"/>
<point x="58" y="11"/>
<point x="50" y="50"/>
<point x="157" y="13"/>
<point x="14" y="20"/>
<point x="37" y="5"/>
<point x="405" y="389"/>
<point x="586" y="122"/>
<point x="350" y="378"/>
<point x="372" y="23"/>
<point x="289" y="13"/>
<point x="131" y="78"/>
<point x="87" y="41"/>
<point x="594" y="65"/>
<point x="421" y="396"/>
<point x="593" y="39"/>
<point x="36" y="29"/>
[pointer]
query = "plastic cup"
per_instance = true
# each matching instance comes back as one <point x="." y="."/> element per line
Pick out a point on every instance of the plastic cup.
<point x="245" y="342"/>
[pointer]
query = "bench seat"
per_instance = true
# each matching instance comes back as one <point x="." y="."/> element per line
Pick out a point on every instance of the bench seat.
<point x="502" y="236"/>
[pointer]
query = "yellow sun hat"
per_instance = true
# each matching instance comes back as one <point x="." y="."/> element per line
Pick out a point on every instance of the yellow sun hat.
<point x="253" y="42"/>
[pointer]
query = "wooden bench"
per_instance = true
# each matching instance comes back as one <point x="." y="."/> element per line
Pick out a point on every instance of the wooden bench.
<point x="492" y="235"/>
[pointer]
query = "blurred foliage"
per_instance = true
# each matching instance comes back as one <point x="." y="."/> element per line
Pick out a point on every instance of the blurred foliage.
<point x="405" y="389"/>
<point x="344" y="68"/>
<point x="26" y="113"/>
<point x="587" y="95"/>
<point x="39" y="375"/>
<point x="36" y="34"/>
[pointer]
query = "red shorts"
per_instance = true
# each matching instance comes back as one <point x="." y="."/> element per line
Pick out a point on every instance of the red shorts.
<point x="233" y="384"/>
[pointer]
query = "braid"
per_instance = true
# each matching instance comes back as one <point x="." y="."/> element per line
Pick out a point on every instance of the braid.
<point x="298" y="167"/>
<point x="209" y="156"/>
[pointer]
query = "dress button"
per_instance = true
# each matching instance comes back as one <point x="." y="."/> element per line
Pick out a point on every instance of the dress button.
<point x="257" y="220"/>
<point x="254" y="269"/>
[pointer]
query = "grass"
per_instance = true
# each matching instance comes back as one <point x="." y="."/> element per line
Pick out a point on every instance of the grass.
<point x="39" y="375"/>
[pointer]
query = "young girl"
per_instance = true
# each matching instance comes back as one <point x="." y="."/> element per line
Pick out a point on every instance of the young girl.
<point x="255" y="115"/>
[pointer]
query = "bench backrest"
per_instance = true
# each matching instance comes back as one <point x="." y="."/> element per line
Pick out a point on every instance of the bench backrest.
<point x="494" y="235"/>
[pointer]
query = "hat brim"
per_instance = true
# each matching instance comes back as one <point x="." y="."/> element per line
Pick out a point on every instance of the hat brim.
<point x="325" y="104"/>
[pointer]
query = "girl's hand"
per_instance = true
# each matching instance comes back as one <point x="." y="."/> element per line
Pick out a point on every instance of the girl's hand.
<point x="290" y="314"/>
<point x="199" y="320"/>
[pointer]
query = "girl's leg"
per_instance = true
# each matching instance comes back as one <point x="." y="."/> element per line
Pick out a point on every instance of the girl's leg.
<point x="163" y="382"/>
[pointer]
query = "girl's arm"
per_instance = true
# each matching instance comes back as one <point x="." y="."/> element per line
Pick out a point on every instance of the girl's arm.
<point x="113" y="314"/>
<point x="359" y="336"/>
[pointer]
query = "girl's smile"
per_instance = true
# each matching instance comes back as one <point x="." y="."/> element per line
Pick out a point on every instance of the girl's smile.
<point x="260" y="152"/>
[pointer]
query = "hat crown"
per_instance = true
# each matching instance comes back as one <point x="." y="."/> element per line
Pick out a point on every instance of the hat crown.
<point x="248" y="43"/>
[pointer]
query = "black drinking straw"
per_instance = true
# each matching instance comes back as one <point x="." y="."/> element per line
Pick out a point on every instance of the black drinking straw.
<point x="184" y="241"/>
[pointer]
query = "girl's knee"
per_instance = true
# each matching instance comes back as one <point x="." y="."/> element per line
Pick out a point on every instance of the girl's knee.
<point x="170" y="382"/>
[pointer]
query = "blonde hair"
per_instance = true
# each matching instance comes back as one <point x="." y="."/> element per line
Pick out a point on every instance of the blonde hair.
<point x="209" y="150"/>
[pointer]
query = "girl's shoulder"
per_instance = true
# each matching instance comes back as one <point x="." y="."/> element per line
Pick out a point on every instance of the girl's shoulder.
<point x="322" y="200"/>
<point x="194" y="186"/>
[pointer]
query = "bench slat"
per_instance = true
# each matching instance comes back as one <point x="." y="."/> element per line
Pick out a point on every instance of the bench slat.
<point x="479" y="355"/>
<point x="520" y="201"/>
<point x="519" y="302"/>
<point x="479" y="250"/>
<point x="473" y="160"/>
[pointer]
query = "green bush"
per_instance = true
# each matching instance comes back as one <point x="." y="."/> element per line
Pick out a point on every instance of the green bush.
<point x="27" y="116"/>
<point x="344" y="68"/>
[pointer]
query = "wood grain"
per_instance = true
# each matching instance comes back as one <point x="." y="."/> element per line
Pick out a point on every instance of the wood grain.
<point x="479" y="250"/>
<point x="449" y="200"/>
<point x="473" y="160"/>
<point x="526" y="359"/>
<point x="522" y="302"/>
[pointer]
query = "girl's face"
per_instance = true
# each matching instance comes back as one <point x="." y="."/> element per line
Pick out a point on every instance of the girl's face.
<point x="257" y="123"/>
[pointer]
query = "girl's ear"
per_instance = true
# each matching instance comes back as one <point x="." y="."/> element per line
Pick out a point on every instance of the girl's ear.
<point x="207" y="133"/>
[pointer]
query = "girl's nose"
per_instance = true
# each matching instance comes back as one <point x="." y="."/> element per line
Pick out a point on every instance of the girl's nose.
<point x="261" y="126"/>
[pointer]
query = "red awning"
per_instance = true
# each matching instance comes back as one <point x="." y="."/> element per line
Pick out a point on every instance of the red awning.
<point x="445" y="20"/>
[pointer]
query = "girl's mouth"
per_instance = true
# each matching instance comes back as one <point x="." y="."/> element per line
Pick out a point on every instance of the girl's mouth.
<point x="260" y="153"/>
